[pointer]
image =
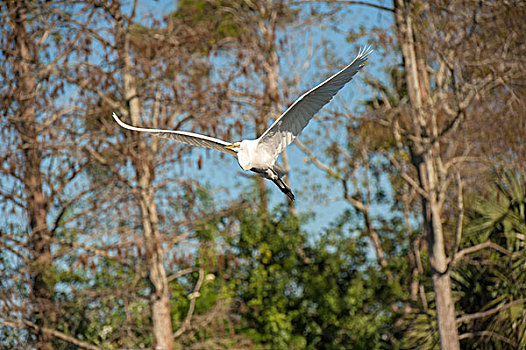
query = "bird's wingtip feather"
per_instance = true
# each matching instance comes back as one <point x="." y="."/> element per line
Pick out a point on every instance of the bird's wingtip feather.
<point x="120" y="122"/>
<point x="365" y="51"/>
<point x="117" y="119"/>
<point x="363" y="55"/>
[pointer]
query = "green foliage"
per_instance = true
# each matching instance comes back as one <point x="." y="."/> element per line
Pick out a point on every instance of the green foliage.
<point x="299" y="295"/>
<point x="221" y="21"/>
<point x="265" y="249"/>
<point x="198" y="12"/>
<point x="390" y="94"/>
<point x="341" y="302"/>
<point x="422" y="329"/>
<point x="493" y="278"/>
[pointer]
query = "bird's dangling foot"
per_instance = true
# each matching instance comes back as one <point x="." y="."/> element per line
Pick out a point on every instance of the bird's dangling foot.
<point x="273" y="174"/>
<point x="284" y="188"/>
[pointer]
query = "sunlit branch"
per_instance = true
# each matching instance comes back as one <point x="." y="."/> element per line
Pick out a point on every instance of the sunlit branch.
<point x="477" y="315"/>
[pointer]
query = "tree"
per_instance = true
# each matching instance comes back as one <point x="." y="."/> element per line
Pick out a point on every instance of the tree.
<point x="38" y="166"/>
<point x="150" y="78"/>
<point x="111" y="239"/>
<point x="433" y="106"/>
<point x="300" y="293"/>
<point x="436" y="112"/>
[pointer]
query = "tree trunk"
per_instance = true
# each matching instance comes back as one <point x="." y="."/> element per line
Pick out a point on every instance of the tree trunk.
<point x="159" y="295"/>
<point x="144" y="167"/>
<point x="40" y="241"/>
<point x="425" y="156"/>
<point x="270" y="65"/>
<point x="42" y="288"/>
<point x="445" y="307"/>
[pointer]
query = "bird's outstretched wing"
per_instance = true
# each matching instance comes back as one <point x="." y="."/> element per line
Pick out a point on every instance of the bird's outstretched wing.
<point x="183" y="136"/>
<point x="290" y="124"/>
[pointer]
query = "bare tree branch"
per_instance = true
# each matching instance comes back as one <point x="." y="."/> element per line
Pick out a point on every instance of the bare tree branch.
<point x="193" y="296"/>
<point x="24" y="324"/>
<point x="476" y="248"/>
<point x="460" y="202"/>
<point x="477" y="315"/>
<point x="20" y="255"/>
<point x="487" y="334"/>
<point x="316" y="161"/>
<point x="347" y="2"/>
<point x="94" y="250"/>
<point x="408" y="178"/>
<point x="180" y="273"/>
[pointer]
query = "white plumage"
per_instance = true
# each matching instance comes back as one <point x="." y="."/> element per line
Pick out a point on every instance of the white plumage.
<point x="260" y="155"/>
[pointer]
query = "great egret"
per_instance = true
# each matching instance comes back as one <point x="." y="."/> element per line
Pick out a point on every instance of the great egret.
<point x="260" y="155"/>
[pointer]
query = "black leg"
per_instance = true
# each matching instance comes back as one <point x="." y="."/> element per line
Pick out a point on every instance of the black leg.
<point x="284" y="188"/>
<point x="272" y="175"/>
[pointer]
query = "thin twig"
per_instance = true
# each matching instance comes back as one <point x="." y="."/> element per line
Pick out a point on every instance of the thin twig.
<point x="180" y="273"/>
<point x="460" y="201"/>
<point x="347" y="2"/>
<point x="316" y="161"/>
<point x="94" y="250"/>
<point x="408" y="178"/>
<point x="193" y="297"/>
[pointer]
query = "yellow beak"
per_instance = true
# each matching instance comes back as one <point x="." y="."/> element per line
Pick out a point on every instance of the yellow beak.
<point x="231" y="146"/>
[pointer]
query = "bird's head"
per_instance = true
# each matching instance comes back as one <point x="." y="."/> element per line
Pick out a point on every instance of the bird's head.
<point x="234" y="147"/>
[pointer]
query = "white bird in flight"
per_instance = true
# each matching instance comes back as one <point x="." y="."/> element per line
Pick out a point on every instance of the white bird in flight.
<point x="260" y="155"/>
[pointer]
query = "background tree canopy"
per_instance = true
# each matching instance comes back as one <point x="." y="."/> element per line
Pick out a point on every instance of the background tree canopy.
<point x="409" y="227"/>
